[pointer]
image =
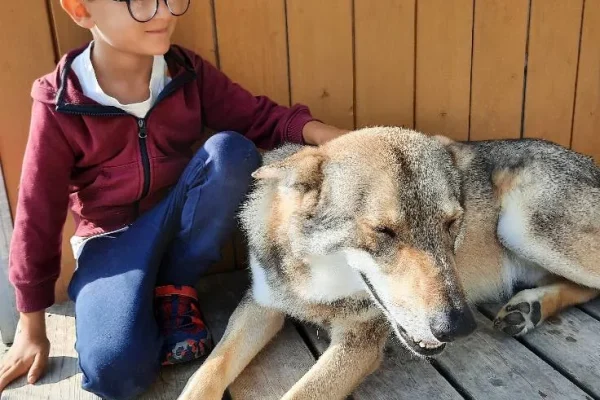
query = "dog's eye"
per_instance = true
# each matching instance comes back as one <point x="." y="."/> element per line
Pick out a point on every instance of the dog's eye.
<point x="387" y="231"/>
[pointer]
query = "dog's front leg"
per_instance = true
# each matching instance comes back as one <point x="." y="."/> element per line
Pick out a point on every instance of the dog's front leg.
<point x="250" y="328"/>
<point x="354" y="353"/>
<point x="530" y="307"/>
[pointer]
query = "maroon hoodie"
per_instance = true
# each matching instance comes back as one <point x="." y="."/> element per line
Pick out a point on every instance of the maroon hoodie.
<point x="110" y="166"/>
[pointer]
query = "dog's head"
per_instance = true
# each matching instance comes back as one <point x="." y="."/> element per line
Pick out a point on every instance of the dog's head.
<point x="390" y="200"/>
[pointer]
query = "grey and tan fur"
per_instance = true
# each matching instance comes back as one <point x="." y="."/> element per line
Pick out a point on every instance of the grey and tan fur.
<point x="388" y="230"/>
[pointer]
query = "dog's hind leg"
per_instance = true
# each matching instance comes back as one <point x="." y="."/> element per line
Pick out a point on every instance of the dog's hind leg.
<point x="530" y="307"/>
<point x="551" y="225"/>
<point x="250" y="328"/>
<point x="354" y="353"/>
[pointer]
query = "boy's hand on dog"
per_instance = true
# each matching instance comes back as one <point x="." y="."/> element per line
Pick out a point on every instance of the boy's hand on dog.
<point x="28" y="354"/>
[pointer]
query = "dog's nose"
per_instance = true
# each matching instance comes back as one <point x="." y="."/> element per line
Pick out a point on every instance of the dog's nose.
<point x="451" y="325"/>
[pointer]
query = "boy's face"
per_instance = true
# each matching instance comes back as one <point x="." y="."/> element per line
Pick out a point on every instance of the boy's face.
<point x="111" y="22"/>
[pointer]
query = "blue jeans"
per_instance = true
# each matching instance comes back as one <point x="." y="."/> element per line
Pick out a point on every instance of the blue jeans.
<point x="118" y="340"/>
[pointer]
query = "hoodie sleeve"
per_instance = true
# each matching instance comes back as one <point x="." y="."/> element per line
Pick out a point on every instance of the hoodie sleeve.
<point x="228" y="106"/>
<point x="35" y="249"/>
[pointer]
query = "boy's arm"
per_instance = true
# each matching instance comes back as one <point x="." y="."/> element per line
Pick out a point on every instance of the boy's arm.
<point x="35" y="250"/>
<point x="316" y="132"/>
<point x="228" y="106"/>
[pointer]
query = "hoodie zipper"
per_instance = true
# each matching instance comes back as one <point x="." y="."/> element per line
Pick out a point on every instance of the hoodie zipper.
<point x="142" y="140"/>
<point x="97" y="110"/>
<point x="142" y="135"/>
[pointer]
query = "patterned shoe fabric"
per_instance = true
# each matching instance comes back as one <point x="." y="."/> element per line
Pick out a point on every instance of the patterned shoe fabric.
<point x="178" y="315"/>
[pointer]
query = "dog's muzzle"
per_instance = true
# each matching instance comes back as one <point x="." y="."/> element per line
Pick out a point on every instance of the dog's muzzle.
<point x="417" y="347"/>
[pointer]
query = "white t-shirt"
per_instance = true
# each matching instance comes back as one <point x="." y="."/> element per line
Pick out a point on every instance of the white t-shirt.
<point x="84" y="69"/>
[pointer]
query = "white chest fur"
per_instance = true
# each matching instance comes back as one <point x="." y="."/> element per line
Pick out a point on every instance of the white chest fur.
<point x="330" y="279"/>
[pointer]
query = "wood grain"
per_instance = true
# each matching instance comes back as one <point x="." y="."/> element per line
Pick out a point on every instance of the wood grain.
<point x="253" y="50"/>
<point x="552" y="69"/>
<point x="592" y="308"/>
<point x="570" y="342"/>
<point x="8" y="311"/>
<point x="500" y="37"/>
<point x="401" y="376"/>
<point x="281" y="364"/>
<point x="69" y="35"/>
<point x="385" y="62"/>
<point x="586" y="127"/>
<point x="195" y="30"/>
<point x="491" y="365"/>
<point x="443" y="69"/>
<point x="321" y="58"/>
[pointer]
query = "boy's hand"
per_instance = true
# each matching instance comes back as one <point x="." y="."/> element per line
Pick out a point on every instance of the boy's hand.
<point x="29" y="353"/>
<point x="317" y="133"/>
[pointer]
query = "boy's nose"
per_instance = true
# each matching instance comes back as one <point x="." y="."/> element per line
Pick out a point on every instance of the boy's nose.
<point x="163" y="10"/>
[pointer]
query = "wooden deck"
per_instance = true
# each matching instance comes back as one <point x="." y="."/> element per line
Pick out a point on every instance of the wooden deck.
<point x="559" y="360"/>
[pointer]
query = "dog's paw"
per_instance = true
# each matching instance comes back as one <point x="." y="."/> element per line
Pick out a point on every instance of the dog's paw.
<point x="520" y="315"/>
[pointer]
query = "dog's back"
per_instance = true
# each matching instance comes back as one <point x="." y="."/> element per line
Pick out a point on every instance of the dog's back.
<point x="534" y="215"/>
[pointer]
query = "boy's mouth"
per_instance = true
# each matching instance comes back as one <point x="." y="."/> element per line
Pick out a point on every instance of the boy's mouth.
<point x="158" y="31"/>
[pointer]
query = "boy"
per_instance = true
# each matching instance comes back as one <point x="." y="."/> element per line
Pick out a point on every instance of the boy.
<point x="111" y="133"/>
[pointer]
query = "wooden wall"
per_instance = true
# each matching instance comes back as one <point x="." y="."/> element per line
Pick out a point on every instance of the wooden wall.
<point x="470" y="69"/>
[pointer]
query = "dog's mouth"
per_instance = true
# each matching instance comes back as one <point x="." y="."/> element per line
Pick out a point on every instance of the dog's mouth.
<point x="420" y="347"/>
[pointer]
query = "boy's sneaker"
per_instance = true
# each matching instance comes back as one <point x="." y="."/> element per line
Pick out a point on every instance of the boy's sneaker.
<point x="186" y="336"/>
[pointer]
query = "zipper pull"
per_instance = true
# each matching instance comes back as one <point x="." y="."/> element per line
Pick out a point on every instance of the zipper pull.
<point x="142" y="133"/>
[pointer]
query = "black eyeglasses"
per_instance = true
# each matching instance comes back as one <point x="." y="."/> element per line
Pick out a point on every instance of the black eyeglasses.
<point x="145" y="10"/>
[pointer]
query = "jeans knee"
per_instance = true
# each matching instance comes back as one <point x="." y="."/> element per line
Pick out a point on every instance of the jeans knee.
<point x="234" y="155"/>
<point x="122" y="376"/>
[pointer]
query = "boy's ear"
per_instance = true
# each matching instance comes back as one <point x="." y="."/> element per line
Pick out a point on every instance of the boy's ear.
<point x="78" y="12"/>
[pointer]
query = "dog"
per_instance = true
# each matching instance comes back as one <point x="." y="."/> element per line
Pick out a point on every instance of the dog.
<point x="388" y="230"/>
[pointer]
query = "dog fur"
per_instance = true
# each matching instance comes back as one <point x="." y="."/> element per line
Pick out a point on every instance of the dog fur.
<point x="389" y="230"/>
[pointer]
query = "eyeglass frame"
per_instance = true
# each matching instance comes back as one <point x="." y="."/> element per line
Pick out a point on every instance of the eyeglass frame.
<point x="155" y="9"/>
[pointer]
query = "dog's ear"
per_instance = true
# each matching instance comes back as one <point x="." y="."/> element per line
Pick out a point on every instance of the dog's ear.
<point x="459" y="157"/>
<point x="301" y="170"/>
<point x="446" y="141"/>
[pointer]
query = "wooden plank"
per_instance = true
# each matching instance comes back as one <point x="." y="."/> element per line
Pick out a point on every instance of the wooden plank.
<point x="227" y="261"/>
<point x="400" y="376"/>
<point x="269" y="376"/>
<point x="8" y="308"/>
<point x="385" y="62"/>
<point x="491" y="365"/>
<point x="281" y="364"/>
<point x="321" y="58"/>
<point x="67" y="264"/>
<point x="443" y="70"/>
<point x="253" y="45"/>
<point x="592" y="308"/>
<point x="69" y="35"/>
<point x="240" y="244"/>
<point x="499" y="41"/>
<point x="587" y="105"/>
<point x="195" y="30"/>
<point x="552" y="69"/>
<point x="28" y="41"/>
<point x="571" y="342"/>
<point x="63" y="377"/>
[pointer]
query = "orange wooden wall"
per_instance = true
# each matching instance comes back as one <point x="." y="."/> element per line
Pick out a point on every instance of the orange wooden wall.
<point x="471" y="69"/>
